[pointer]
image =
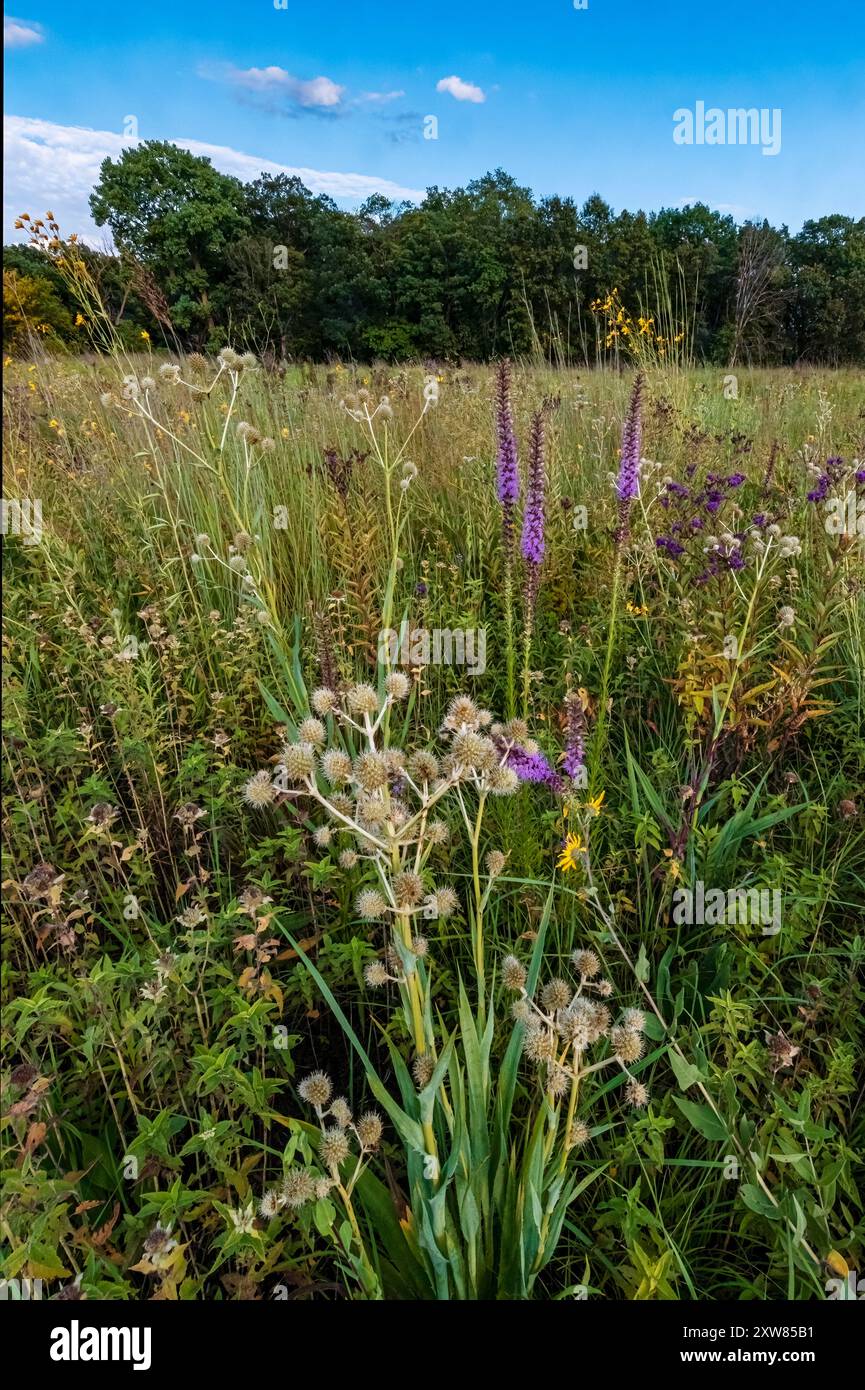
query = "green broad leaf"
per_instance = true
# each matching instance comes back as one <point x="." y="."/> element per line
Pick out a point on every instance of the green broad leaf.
<point x="704" y="1120"/>
<point x="686" y="1073"/>
<point x="755" y="1198"/>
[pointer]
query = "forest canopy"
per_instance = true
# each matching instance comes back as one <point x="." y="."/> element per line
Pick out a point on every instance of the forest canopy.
<point x="202" y="259"/>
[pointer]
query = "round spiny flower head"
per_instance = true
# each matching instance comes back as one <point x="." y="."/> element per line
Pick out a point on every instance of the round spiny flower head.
<point x="521" y="1012"/>
<point x="369" y="1129"/>
<point x="324" y="701"/>
<point x="503" y="781"/>
<point x="462" y="713"/>
<point x="407" y="889"/>
<point x="147" y="383"/>
<point x="634" y="1019"/>
<point x="298" y="759"/>
<point x="599" y="1021"/>
<point x="270" y="1203"/>
<point x="422" y="1069"/>
<point x="362" y="699"/>
<point x="394" y="760"/>
<point x="348" y="859"/>
<point x="423" y="766"/>
<point x="340" y="1112"/>
<point x="371" y="811"/>
<point x="259" y="790"/>
<point x="470" y="748"/>
<point x="342" y="805"/>
<point x="556" y="994"/>
<point x="370" y="771"/>
<point x="228" y="357"/>
<point x="248" y="360"/>
<point x="420" y="946"/>
<point x="334" y="1147"/>
<point x="495" y="862"/>
<point x="636" y="1094"/>
<point x="397" y="685"/>
<point x="316" y="1089"/>
<point x="437" y="833"/>
<point x="322" y="1188"/>
<point x="298" y="1188"/>
<point x="579" y="1134"/>
<point x="628" y="1046"/>
<point x="370" y="905"/>
<point x="586" y="963"/>
<point x="513" y="973"/>
<point x="169" y="371"/>
<point x="604" y="988"/>
<point x="573" y="1026"/>
<point x="557" y="1081"/>
<point x="336" y="766"/>
<point x="446" y="902"/>
<point x="323" y="836"/>
<point x="312" y="731"/>
<point x="538" y="1044"/>
<point x="485" y="719"/>
<point x="398" y="813"/>
<point x="375" y="974"/>
<point x="516" y="731"/>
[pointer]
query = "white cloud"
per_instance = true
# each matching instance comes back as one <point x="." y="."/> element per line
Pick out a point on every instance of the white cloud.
<point x="21" y="33"/>
<point x="56" y="166"/>
<point x="462" y="91"/>
<point x="737" y="210"/>
<point x="380" y="98"/>
<point x="311" y="92"/>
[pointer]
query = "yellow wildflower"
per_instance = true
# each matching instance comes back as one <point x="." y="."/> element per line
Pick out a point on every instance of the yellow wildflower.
<point x="569" y="857"/>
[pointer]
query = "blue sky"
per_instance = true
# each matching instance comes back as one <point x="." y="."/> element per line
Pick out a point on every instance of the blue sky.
<point x="568" y="101"/>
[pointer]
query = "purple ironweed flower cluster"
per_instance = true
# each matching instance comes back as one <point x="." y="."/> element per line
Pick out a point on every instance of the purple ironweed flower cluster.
<point x="694" y="510"/>
<point x="507" y="465"/>
<point x="534" y="767"/>
<point x="832" y="473"/>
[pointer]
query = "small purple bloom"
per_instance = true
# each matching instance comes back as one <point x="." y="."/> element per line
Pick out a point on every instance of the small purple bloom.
<point x="533" y="767"/>
<point x="736" y="480"/>
<point x="532" y="545"/>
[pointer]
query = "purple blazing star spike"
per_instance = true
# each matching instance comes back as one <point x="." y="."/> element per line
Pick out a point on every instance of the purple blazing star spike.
<point x="507" y="464"/>
<point x="532" y="546"/>
<point x="628" y="482"/>
<point x="574" y="758"/>
<point x="533" y="767"/>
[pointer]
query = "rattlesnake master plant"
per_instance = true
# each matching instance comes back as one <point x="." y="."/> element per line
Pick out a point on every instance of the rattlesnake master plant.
<point x="490" y="1161"/>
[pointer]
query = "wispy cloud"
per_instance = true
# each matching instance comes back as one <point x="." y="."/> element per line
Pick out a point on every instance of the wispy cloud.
<point x="278" y="90"/>
<point x="379" y="98"/>
<point x="460" y="90"/>
<point x="57" y="166"/>
<point x="21" y="33"/>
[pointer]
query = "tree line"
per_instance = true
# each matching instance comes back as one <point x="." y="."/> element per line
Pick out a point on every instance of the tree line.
<point x="203" y="259"/>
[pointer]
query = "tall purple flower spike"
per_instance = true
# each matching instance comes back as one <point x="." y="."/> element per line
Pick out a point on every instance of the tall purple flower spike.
<point x="628" y="482"/>
<point x="507" y="465"/>
<point x="532" y="546"/>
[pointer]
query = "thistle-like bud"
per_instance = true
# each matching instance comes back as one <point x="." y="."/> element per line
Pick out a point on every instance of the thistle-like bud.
<point x="369" y="1129"/>
<point x="375" y="974"/>
<point x="422" y="1068"/>
<point x="298" y="759"/>
<point x="627" y="1045"/>
<point x="336" y="766"/>
<point x="423" y="766"/>
<point x="495" y="862"/>
<point x="370" y="905"/>
<point x="316" y="1089"/>
<point x="397" y="685"/>
<point x="586" y="963"/>
<point x="312" y="731"/>
<point x="340" y="1112"/>
<point x="636" y="1094"/>
<point x="370" y="771"/>
<point x="324" y="701"/>
<point x="556" y="994"/>
<point x="259" y="791"/>
<point x="362" y="699"/>
<point x="407" y="889"/>
<point x="334" y="1147"/>
<point x="513" y="973"/>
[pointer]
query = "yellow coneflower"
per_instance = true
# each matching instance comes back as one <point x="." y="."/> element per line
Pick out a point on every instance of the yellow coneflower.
<point x="594" y="804"/>
<point x="569" y="857"/>
<point x="145" y="336"/>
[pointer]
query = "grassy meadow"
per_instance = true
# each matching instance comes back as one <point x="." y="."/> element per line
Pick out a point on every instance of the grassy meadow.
<point x="314" y="964"/>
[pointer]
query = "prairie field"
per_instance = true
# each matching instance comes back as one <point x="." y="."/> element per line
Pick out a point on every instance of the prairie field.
<point x="433" y="832"/>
